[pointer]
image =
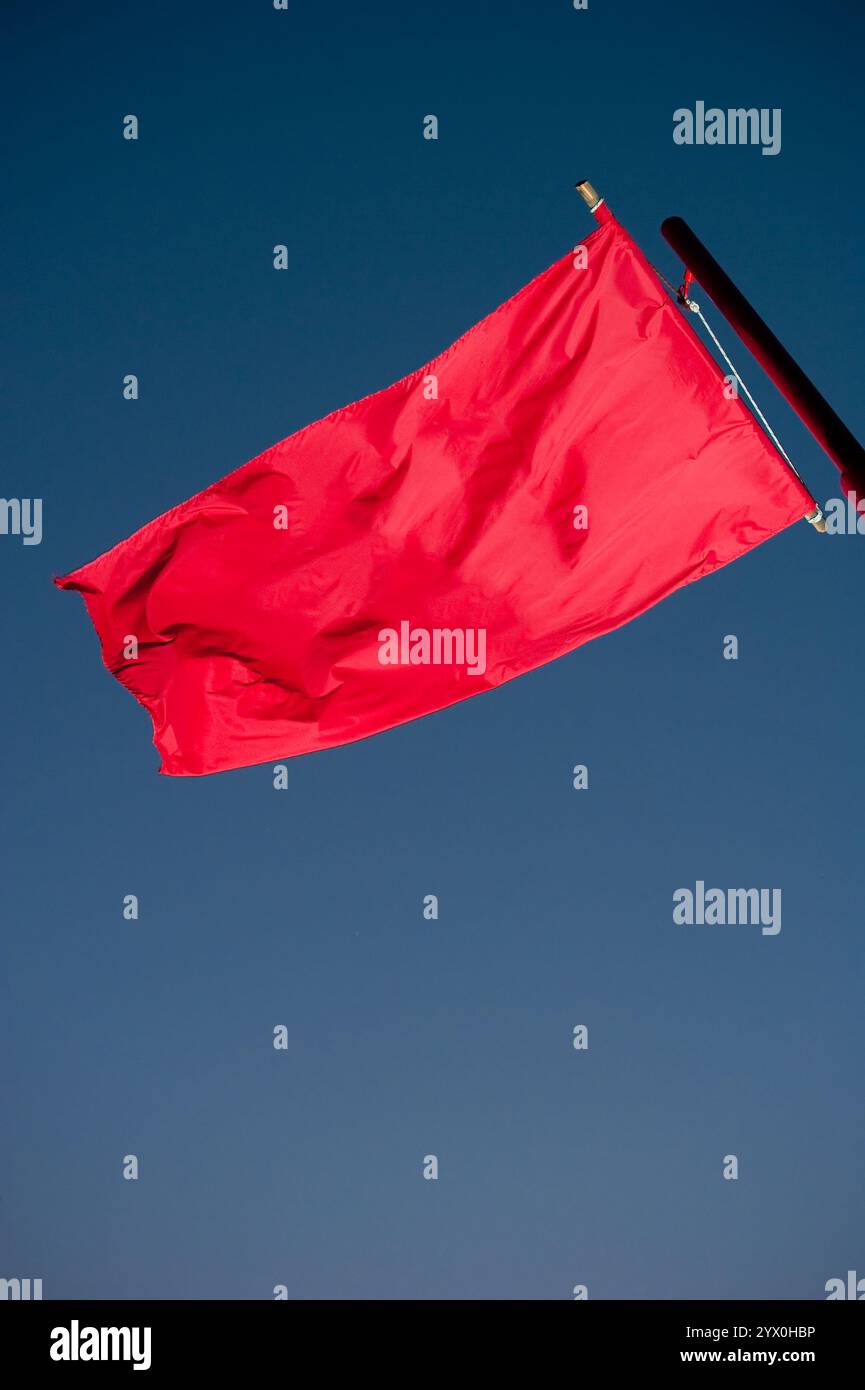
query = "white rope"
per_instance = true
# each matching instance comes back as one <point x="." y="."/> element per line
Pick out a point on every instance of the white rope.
<point x="695" y="309"/>
<point x="816" y="518"/>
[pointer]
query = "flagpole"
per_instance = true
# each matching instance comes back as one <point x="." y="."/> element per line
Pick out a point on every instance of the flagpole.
<point x="812" y="408"/>
<point x="852" y="470"/>
<point x="589" y="194"/>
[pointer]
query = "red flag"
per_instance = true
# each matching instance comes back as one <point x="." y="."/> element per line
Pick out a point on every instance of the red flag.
<point x="567" y="463"/>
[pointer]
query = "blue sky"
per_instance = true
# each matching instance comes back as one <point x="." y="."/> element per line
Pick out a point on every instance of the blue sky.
<point x="303" y="907"/>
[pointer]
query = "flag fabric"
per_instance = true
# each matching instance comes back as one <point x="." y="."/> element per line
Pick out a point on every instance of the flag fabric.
<point x="567" y="463"/>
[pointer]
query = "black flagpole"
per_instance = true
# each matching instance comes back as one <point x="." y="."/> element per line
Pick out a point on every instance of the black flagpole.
<point x="827" y="428"/>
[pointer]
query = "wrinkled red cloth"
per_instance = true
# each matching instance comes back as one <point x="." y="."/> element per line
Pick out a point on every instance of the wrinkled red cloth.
<point x="567" y="463"/>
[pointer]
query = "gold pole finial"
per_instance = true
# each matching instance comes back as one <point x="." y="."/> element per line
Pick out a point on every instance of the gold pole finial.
<point x="589" y="195"/>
